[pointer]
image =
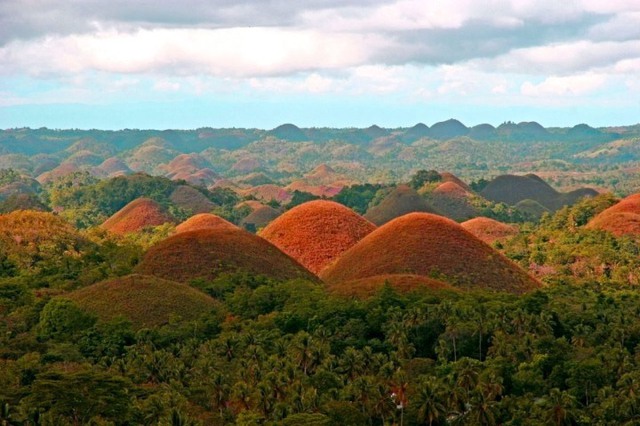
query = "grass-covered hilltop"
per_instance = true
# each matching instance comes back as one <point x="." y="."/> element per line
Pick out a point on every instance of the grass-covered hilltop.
<point x="440" y="275"/>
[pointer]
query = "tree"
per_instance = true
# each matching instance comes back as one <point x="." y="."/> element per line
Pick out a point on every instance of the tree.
<point x="429" y="401"/>
<point x="422" y="177"/>
<point x="61" y="319"/>
<point x="80" y="396"/>
<point x="559" y="408"/>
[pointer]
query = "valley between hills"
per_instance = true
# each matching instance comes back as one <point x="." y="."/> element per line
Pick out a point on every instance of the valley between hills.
<point x="437" y="274"/>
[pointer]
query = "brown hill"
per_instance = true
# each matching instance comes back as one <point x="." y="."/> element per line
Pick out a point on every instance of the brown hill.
<point x="112" y="167"/>
<point x="184" y="163"/>
<point x="623" y="218"/>
<point x="317" y="232"/>
<point x="367" y="287"/>
<point x="202" y="177"/>
<point x="21" y="201"/>
<point x="190" y="199"/>
<point x="146" y="301"/>
<point x="402" y="200"/>
<point x="246" y="165"/>
<point x="252" y="204"/>
<point x="511" y="189"/>
<point x="192" y="168"/>
<point x="136" y="215"/>
<point x="268" y="193"/>
<point x="489" y="230"/>
<point x="531" y="208"/>
<point x="433" y="246"/>
<point x="255" y="179"/>
<point x="206" y="254"/>
<point x="317" y="190"/>
<point x="384" y="145"/>
<point x="89" y="144"/>
<point x="84" y="159"/>
<point x="204" y="221"/>
<point x="149" y="155"/>
<point x="453" y="201"/>
<point x="259" y="218"/>
<point x="62" y="170"/>
<point x="450" y="177"/>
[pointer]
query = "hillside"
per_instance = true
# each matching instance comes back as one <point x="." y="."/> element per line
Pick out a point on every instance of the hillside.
<point x="206" y="254"/>
<point x="317" y="232"/>
<point x="453" y="201"/>
<point x="260" y="217"/>
<point x="432" y="246"/>
<point x="489" y="230"/>
<point x="191" y="200"/>
<point x="400" y="201"/>
<point x="146" y="301"/>
<point x="511" y="189"/>
<point x="204" y="221"/>
<point x="139" y="213"/>
<point x="403" y="283"/>
<point x="623" y="218"/>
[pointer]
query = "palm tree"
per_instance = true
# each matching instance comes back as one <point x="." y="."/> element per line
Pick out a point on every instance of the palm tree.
<point x="560" y="408"/>
<point x="481" y="410"/>
<point x="481" y="318"/>
<point x="351" y="363"/>
<point x="219" y="392"/>
<point x="242" y="394"/>
<point x="302" y="347"/>
<point x="429" y="401"/>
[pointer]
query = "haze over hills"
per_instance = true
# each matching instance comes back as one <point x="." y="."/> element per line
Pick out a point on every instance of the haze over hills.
<point x="569" y="156"/>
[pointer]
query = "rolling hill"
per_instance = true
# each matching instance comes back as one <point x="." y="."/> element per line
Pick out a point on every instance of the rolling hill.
<point x="623" y="218"/>
<point x="146" y="301"/>
<point x="317" y="232"/>
<point x="205" y="254"/>
<point x="400" y="201"/>
<point x="432" y="246"/>
<point x="366" y="287"/>
<point x="139" y="213"/>
<point x="204" y="221"/>
<point x="489" y="230"/>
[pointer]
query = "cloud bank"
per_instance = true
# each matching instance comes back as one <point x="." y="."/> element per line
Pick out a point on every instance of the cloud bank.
<point x="497" y="51"/>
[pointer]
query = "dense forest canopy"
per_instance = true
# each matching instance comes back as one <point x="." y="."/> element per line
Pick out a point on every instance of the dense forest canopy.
<point x="95" y="329"/>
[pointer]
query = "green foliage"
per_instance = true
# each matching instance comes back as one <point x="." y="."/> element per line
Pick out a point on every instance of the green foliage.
<point x="223" y="196"/>
<point x="8" y="176"/>
<point x="79" y="397"/>
<point x="61" y="319"/>
<point x="479" y="185"/>
<point x="291" y="353"/>
<point x="300" y="197"/>
<point x="88" y="201"/>
<point x="422" y="177"/>
<point x="358" y="197"/>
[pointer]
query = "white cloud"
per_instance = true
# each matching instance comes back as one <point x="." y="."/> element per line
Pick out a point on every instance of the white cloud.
<point x="624" y="26"/>
<point x="570" y="86"/>
<point x="563" y="58"/>
<point x="234" y="52"/>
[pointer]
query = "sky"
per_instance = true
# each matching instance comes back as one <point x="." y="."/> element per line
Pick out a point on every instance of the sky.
<point x="113" y="64"/>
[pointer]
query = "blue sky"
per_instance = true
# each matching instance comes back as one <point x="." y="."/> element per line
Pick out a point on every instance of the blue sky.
<point x="260" y="63"/>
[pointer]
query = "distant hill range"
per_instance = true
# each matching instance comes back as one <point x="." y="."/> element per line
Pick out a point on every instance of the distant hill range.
<point x="274" y="165"/>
